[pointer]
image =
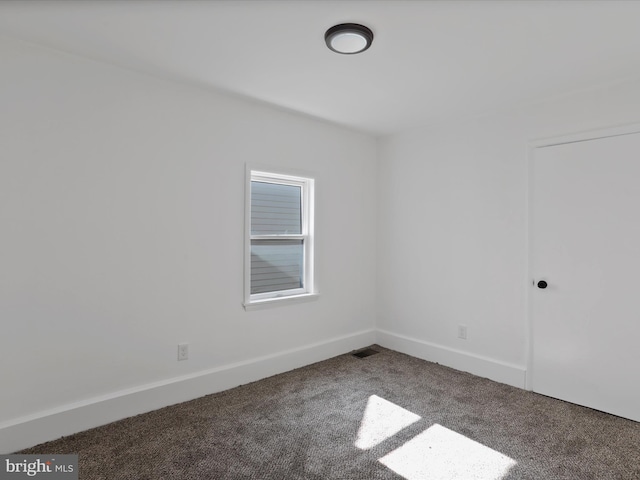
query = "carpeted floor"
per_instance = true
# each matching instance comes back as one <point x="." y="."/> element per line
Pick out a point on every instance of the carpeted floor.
<point x="386" y="416"/>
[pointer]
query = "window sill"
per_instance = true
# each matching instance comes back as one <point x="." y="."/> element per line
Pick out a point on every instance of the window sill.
<point x="280" y="301"/>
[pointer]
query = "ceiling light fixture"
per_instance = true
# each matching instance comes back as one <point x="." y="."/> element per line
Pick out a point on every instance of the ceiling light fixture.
<point x="348" y="38"/>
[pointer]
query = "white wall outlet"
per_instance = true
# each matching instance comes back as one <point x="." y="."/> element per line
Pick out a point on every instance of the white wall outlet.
<point x="183" y="351"/>
<point x="462" y="332"/>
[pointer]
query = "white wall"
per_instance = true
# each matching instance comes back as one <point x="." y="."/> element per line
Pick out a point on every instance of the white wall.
<point x="121" y="213"/>
<point x="452" y="237"/>
<point x="122" y="210"/>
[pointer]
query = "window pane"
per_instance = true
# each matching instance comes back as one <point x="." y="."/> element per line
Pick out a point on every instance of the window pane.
<point x="276" y="265"/>
<point x="275" y="209"/>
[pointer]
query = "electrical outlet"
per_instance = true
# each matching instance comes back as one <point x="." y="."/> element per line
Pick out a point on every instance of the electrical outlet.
<point x="183" y="351"/>
<point x="462" y="332"/>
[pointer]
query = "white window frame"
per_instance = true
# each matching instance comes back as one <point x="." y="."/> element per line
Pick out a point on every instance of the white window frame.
<point x="307" y="292"/>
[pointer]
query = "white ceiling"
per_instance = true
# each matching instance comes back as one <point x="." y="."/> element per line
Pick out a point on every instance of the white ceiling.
<point x="430" y="62"/>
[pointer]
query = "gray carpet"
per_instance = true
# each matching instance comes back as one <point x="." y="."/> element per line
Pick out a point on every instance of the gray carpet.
<point x="305" y="424"/>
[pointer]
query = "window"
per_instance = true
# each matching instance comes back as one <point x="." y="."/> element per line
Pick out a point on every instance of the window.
<point x="279" y="238"/>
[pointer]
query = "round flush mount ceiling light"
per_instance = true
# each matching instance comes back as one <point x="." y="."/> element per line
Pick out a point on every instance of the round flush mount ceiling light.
<point x="348" y="38"/>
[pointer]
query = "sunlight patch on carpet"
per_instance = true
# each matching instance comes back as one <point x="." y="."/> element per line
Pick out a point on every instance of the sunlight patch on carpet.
<point x="382" y="419"/>
<point x="442" y="454"/>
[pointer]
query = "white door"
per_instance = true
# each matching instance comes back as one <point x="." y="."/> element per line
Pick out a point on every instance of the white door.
<point x="585" y="232"/>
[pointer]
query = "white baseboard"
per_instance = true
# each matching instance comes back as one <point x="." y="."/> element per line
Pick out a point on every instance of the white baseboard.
<point x="514" y="375"/>
<point x="28" y="431"/>
<point x="31" y="430"/>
